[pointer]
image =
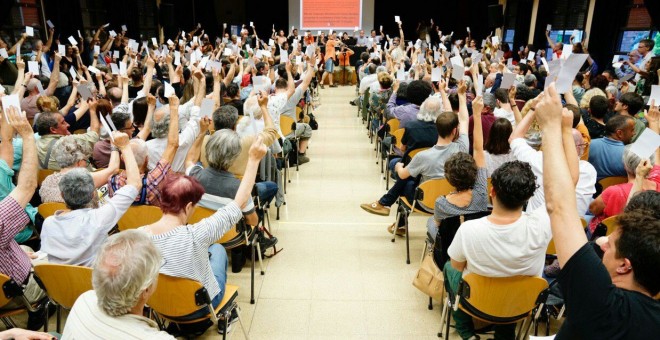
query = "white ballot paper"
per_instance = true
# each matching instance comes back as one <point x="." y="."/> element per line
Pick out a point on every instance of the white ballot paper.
<point x="112" y="34"/>
<point x="311" y="49"/>
<point x="177" y="58"/>
<point x="115" y="54"/>
<point x="50" y="24"/>
<point x="169" y="90"/>
<point x="73" y="41"/>
<point x="123" y="28"/>
<point x="646" y="144"/>
<point x="97" y="49"/>
<point x="114" y="68"/>
<point x="106" y="127"/>
<point x="33" y="67"/>
<point x="479" y="86"/>
<point x="655" y="94"/>
<point x="93" y="69"/>
<point x="496" y="40"/>
<point x="206" y="110"/>
<point x="3" y="53"/>
<point x="507" y="80"/>
<point x="397" y="19"/>
<point x="72" y="72"/>
<point x="498" y="56"/>
<point x="11" y="100"/>
<point x="30" y="31"/>
<point x="530" y="55"/>
<point x="458" y="70"/>
<point x="202" y="63"/>
<point x="284" y="56"/>
<point x="84" y="92"/>
<point x="566" y="51"/>
<point x="122" y="68"/>
<point x="401" y="74"/>
<point x="567" y="70"/>
<point x="436" y="74"/>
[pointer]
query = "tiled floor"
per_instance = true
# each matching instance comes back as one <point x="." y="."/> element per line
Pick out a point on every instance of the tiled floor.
<point x="339" y="275"/>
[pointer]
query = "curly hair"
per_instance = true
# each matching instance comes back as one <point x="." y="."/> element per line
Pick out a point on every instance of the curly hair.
<point x="646" y="201"/>
<point x="514" y="183"/>
<point x="461" y="171"/>
<point x="639" y="242"/>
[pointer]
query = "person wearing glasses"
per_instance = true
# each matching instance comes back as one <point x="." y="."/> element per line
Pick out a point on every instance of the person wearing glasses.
<point x="626" y="68"/>
<point x="74" y="235"/>
<point x="645" y="49"/>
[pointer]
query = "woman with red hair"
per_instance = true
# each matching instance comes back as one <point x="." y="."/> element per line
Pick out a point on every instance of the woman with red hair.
<point x="189" y="250"/>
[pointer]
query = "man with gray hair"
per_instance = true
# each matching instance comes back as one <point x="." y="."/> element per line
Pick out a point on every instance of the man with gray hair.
<point x="124" y="278"/>
<point x="74" y="236"/>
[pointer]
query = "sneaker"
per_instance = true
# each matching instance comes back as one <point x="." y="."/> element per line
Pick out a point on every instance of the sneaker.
<point x="376" y="208"/>
<point x="401" y="231"/>
<point x="333" y="85"/>
<point x="302" y="159"/>
<point x="322" y="86"/>
<point x="353" y="102"/>
<point x="221" y="323"/>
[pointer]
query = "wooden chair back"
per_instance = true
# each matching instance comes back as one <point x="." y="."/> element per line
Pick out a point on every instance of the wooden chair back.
<point x="414" y="152"/>
<point x="287" y="125"/>
<point x="398" y="135"/>
<point x="64" y="283"/>
<point x="231" y="239"/>
<point x="393" y="124"/>
<point x="139" y="215"/>
<point x="428" y="192"/>
<point x="611" y="223"/>
<point x="42" y="174"/>
<point x="49" y="209"/>
<point x="614" y="180"/>
<point x="500" y="299"/>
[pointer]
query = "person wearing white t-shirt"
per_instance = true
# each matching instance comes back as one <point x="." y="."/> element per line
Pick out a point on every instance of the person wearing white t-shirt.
<point x="585" y="171"/>
<point x="645" y="48"/>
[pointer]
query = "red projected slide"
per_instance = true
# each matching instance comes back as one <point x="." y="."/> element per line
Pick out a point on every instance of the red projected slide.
<point x="325" y="14"/>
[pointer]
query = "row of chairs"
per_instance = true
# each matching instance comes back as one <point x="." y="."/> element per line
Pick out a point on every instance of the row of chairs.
<point x="173" y="299"/>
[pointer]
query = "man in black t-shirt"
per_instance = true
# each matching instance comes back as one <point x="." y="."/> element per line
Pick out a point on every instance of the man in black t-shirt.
<point x="612" y="299"/>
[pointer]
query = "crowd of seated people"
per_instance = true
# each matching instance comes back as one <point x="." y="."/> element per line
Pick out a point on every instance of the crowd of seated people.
<point x="162" y="126"/>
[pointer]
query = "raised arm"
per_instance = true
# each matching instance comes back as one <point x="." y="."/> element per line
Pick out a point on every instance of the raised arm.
<point x="6" y="146"/>
<point x="193" y="154"/>
<point x="94" y="123"/>
<point x="72" y="101"/>
<point x="133" y="178"/>
<point x="27" y="177"/>
<point x="550" y="42"/>
<point x="291" y="84"/>
<point x="477" y="133"/>
<point x="148" y="78"/>
<point x="124" y="88"/>
<point x="232" y="71"/>
<point x="567" y="231"/>
<point x="256" y="153"/>
<point x="570" y="150"/>
<point x="463" y="115"/>
<point x="21" y="82"/>
<point x="100" y="177"/>
<point x="514" y="107"/>
<point x="173" y="132"/>
<point x="54" y="76"/>
<point x="148" y="120"/>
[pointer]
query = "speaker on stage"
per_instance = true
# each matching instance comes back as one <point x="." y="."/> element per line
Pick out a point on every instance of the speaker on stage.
<point x="495" y="16"/>
<point x="167" y="15"/>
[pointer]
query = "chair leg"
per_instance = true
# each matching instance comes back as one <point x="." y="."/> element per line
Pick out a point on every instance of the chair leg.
<point x="59" y="319"/>
<point x="443" y="314"/>
<point x="47" y="305"/>
<point x="430" y="303"/>
<point x="278" y="214"/>
<point x="298" y="145"/>
<point x="396" y="224"/>
<point x="407" y="241"/>
<point x="240" y="321"/>
<point x="261" y="263"/>
<point x="9" y="323"/>
<point x="252" y="276"/>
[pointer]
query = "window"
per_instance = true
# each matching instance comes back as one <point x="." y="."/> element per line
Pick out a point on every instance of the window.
<point x="638" y="27"/>
<point x="508" y="36"/>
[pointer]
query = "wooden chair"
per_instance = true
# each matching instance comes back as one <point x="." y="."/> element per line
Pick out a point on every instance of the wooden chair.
<point x="63" y="284"/>
<point x="49" y="209"/>
<point x="611" y="223"/>
<point x="391" y="126"/>
<point x="177" y="297"/>
<point x="363" y="108"/>
<point x="610" y="181"/>
<point x="42" y="174"/>
<point x="288" y="127"/>
<point x="397" y="135"/>
<point x="11" y="290"/>
<point x="498" y="300"/>
<point x="247" y="235"/>
<point x="425" y="196"/>
<point x="139" y="215"/>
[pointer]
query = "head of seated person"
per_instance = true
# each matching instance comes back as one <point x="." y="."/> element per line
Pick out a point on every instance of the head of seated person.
<point x="77" y="188"/>
<point x="222" y="149"/>
<point x="140" y="108"/>
<point x="125" y="273"/>
<point x="372" y="68"/>
<point x="430" y="109"/>
<point x="123" y="121"/>
<point x="447" y="126"/>
<point x="647" y="201"/>
<point x="632" y="252"/>
<point x="631" y="161"/>
<point x="461" y="171"/>
<point x="385" y="80"/>
<point x="160" y="124"/>
<point x="418" y="91"/>
<point x="621" y="128"/>
<point x="402" y="94"/>
<point x="70" y="153"/>
<point x="513" y="185"/>
<point x="52" y="123"/>
<point x="281" y="85"/>
<point x="114" y="95"/>
<point x="225" y="117"/>
<point x="48" y="104"/>
<point x="140" y="152"/>
<point x="498" y="139"/>
<point x="179" y="195"/>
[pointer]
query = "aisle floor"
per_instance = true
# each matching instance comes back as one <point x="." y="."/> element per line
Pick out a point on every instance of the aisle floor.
<point x="339" y="275"/>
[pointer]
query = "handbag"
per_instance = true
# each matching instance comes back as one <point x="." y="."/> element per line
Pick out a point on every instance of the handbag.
<point x="429" y="278"/>
<point x="312" y="122"/>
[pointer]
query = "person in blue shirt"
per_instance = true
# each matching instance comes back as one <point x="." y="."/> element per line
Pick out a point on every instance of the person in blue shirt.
<point x="606" y="154"/>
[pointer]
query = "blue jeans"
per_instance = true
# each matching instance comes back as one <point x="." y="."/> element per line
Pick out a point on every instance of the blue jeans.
<point x="219" y="262"/>
<point x="266" y="191"/>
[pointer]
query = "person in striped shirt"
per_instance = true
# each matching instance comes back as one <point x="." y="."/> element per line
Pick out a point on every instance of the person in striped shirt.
<point x="189" y="250"/>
